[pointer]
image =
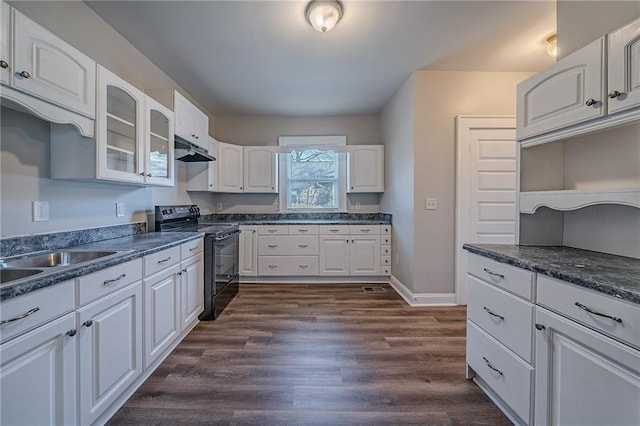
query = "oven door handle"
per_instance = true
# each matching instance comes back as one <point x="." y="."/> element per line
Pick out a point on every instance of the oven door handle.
<point x="217" y="239"/>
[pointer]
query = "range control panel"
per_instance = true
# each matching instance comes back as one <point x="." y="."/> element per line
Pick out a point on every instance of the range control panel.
<point x="168" y="213"/>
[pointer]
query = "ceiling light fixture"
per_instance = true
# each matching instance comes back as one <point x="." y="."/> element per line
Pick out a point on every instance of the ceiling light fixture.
<point x="323" y="15"/>
<point x="552" y="45"/>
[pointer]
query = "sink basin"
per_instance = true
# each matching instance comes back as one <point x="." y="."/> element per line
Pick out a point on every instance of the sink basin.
<point x="7" y="275"/>
<point x="53" y="259"/>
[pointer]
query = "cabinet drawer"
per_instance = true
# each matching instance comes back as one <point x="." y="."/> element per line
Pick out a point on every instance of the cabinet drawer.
<point x="509" y="377"/>
<point x="287" y="265"/>
<point x="514" y="280"/>
<point x="563" y="298"/>
<point x="273" y="230"/>
<point x="291" y="245"/>
<point x="156" y="262"/>
<point x="364" y="229"/>
<point x="108" y="280"/>
<point x="303" y="229"/>
<point x="334" y="230"/>
<point x="385" y="250"/>
<point x="505" y="317"/>
<point x="191" y="248"/>
<point x="35" y="308"/>
<point x="385" y="239"/>
<point x="385" y="229"/>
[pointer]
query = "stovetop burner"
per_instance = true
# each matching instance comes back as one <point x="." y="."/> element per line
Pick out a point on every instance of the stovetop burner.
<point x="187" y="218"/>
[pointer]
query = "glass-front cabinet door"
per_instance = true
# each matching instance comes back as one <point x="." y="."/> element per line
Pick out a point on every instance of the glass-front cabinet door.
<point x="159" y="165"/>
<point x="119" y="129"/>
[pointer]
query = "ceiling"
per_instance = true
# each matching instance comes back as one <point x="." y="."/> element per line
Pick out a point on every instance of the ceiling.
<point x="263" y="58"/>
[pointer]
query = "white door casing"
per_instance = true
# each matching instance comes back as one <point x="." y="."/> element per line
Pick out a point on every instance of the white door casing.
<point x="486" y="187"/>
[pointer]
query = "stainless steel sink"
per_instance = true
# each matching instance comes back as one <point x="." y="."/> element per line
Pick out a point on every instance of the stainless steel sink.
<point x="53" y="259"/>
<point x="7" y="275"/>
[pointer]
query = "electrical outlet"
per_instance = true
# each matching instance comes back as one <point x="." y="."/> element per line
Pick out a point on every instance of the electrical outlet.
<point x="358" y="205"/>
<point x="40" y="211"/>
<point x="219" y="206"/>
<point x="119" y="209"/>
<point x="431" y="204"/>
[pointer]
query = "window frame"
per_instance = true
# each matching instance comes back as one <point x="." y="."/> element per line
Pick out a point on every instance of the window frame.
<point x="336" y="144"/>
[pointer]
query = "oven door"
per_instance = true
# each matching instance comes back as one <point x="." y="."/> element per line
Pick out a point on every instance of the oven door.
<point x="227" y="252"/>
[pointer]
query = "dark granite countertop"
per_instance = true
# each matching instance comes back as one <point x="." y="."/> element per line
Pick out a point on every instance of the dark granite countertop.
<point x="307" y="222"/>
<point x="300" y="218"/>
<point x="132" y="247"/>
<point x="617" y="276"/>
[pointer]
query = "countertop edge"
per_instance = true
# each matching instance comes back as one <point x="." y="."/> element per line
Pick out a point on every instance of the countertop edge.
<point x="11" y="291"/>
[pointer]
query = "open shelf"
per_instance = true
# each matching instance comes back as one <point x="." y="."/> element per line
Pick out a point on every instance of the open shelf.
<point x="573" y="199"/>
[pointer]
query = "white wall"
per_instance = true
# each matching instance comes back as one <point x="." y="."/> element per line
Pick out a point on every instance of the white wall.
<point x="397" y="124"/>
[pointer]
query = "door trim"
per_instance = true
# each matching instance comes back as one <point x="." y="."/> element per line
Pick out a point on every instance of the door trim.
<point x="464" y="124"/>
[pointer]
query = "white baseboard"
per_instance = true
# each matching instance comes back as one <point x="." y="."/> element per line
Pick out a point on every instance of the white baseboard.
<point x="422" y="299"/>
<point x="313" y="280"/>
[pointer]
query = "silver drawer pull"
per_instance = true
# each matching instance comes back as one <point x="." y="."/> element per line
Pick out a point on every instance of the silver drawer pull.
<point x="19" y="317"/>
<point x="492" y="313"/>
<point x="272" y="245"/>
<point x="303" y="230"/>
<point x="591" y="311"/>
<point x="486" y="361"/>
<point x="303" y="266"/>
<point x="334" y="230"/>
<point x="271" y="231"/>
<point x="193" y="248"/>
<point x="365" y="230"/>
<point x="273" y="266"/>
<point x="303" y="245"/>
<point x="164" y="260"/>
<point x="114" y="280"/>
<point x="495" y="274"/>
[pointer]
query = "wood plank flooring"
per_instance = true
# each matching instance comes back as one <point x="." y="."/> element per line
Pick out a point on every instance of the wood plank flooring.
<point x="317" y="355"/>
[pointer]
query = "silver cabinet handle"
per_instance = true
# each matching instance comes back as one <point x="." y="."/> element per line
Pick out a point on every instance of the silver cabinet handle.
<point x="334" y="230"/>
<point x="495" y="274"/>
<point x="72" y="332"/>
<point x="540" y="327"/>
<point x="141" y="173"/>
<point x="24" y="74"/>
<point x="193" y="248"/>
<point x="164" y="260"/>
<point x="4" y="64"/>
<point x="614" y="94"/>
<point x="272" y="246"/>
<point x="273" y="266"/>
<point x="492" y="313"/>
<point x="303" y="230"/>
<point x="600" y="314"/>
<point x="590" y="102"/>
<point x="88" y="323"/>
<point x="109" y="282"/>
<point x="303" y="245"/>
<point x="303" y="266"/>
<point x="149" y="175"/>
<point x="21" y="316"/>
<point x="486" y="361"/>
<point x="365" y="230"/>
<point x="271" y="231"/>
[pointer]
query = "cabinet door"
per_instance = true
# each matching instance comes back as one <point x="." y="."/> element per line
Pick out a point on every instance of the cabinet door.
<point x="364" y="255"/>
<point x="49" y="68"/>
<point x="5" y="45"/>
<point x="191" y="124"/>
<point x="366" y="169"/>
<point x="119" y="129"/>
<point x="192" y="292"/>
<point x="161" y="313"/>
<point x="38" y="376"/>
<point x="567" y="93"/>
<point x="583" y="377"/>
<point x="249" y="251"/>
<point x="159" y="144"/>
<point x="334" y="255"/>
<point x="110" y="332"/>
<point x="230" y="165"/>
<point x="624" y="68"/>
<point x="260" y="169"/>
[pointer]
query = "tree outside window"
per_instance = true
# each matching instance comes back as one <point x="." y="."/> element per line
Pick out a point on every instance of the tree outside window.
<point x="312" y="179"/>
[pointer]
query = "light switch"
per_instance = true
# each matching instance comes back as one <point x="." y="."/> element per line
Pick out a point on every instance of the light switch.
<point x="431" y="204"/>
<point x="119" y="209"/>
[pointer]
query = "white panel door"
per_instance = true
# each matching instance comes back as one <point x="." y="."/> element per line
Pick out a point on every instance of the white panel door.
<point x="364" y="255"/>
<point x="5" y="44"/>
<point x="582" y="377"/>
<point x="260" y="169"/>
<point x="110" y="349"/>
<point x="485" y="188"/>
<point x="365" y="168"/>
<point x="230" y="164"/>
<point x="249" y="251"/>
<point x="161" y="313"/>
<point x="49" y="68"/>
<point x="624" y="68"/>
<point x="38" y="376"/>
<point x="334" y="255"/>
<point x="192" y="292"/>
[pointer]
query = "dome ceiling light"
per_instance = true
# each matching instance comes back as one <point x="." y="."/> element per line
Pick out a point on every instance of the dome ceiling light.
<point x="323" y="15"/>
<point x="552" y="45"/>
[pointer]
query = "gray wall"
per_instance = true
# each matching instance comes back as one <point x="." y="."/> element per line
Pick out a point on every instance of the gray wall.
<point x="581" y="22"/>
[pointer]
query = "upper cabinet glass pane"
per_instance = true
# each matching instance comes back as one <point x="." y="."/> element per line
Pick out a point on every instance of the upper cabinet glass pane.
<point x="121" y="104"/>
<point x="159" y="124"/>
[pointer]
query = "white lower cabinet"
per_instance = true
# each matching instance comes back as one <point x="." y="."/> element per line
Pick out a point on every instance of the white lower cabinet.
<point x="110" y="355"/>
<point x="334" y="255"/>
<point x="583" y="377"/>
<point x="364" y="255"/>
<point x="38" y="376"/>
<point x="248" y="251"/>
<point x="192" y="291"/>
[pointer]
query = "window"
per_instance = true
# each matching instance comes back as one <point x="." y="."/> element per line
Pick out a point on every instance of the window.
<point x="312" y="174"/>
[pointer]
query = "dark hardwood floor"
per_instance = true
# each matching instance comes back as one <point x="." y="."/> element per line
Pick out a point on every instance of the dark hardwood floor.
<point x="317" y="355"/>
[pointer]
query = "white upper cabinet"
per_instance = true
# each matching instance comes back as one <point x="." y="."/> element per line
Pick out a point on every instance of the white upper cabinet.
<point x="159" y="144"/>
<point x="260" y="169"/>
<point x="230" y="166"/>
<point x="119" y="129"/>
<point x="191" y="124"/>
<point x="624" y="68"/>
<point x="45" y="75"/>
<point x="365" y="168"/>
<point x="568" y="92"/>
